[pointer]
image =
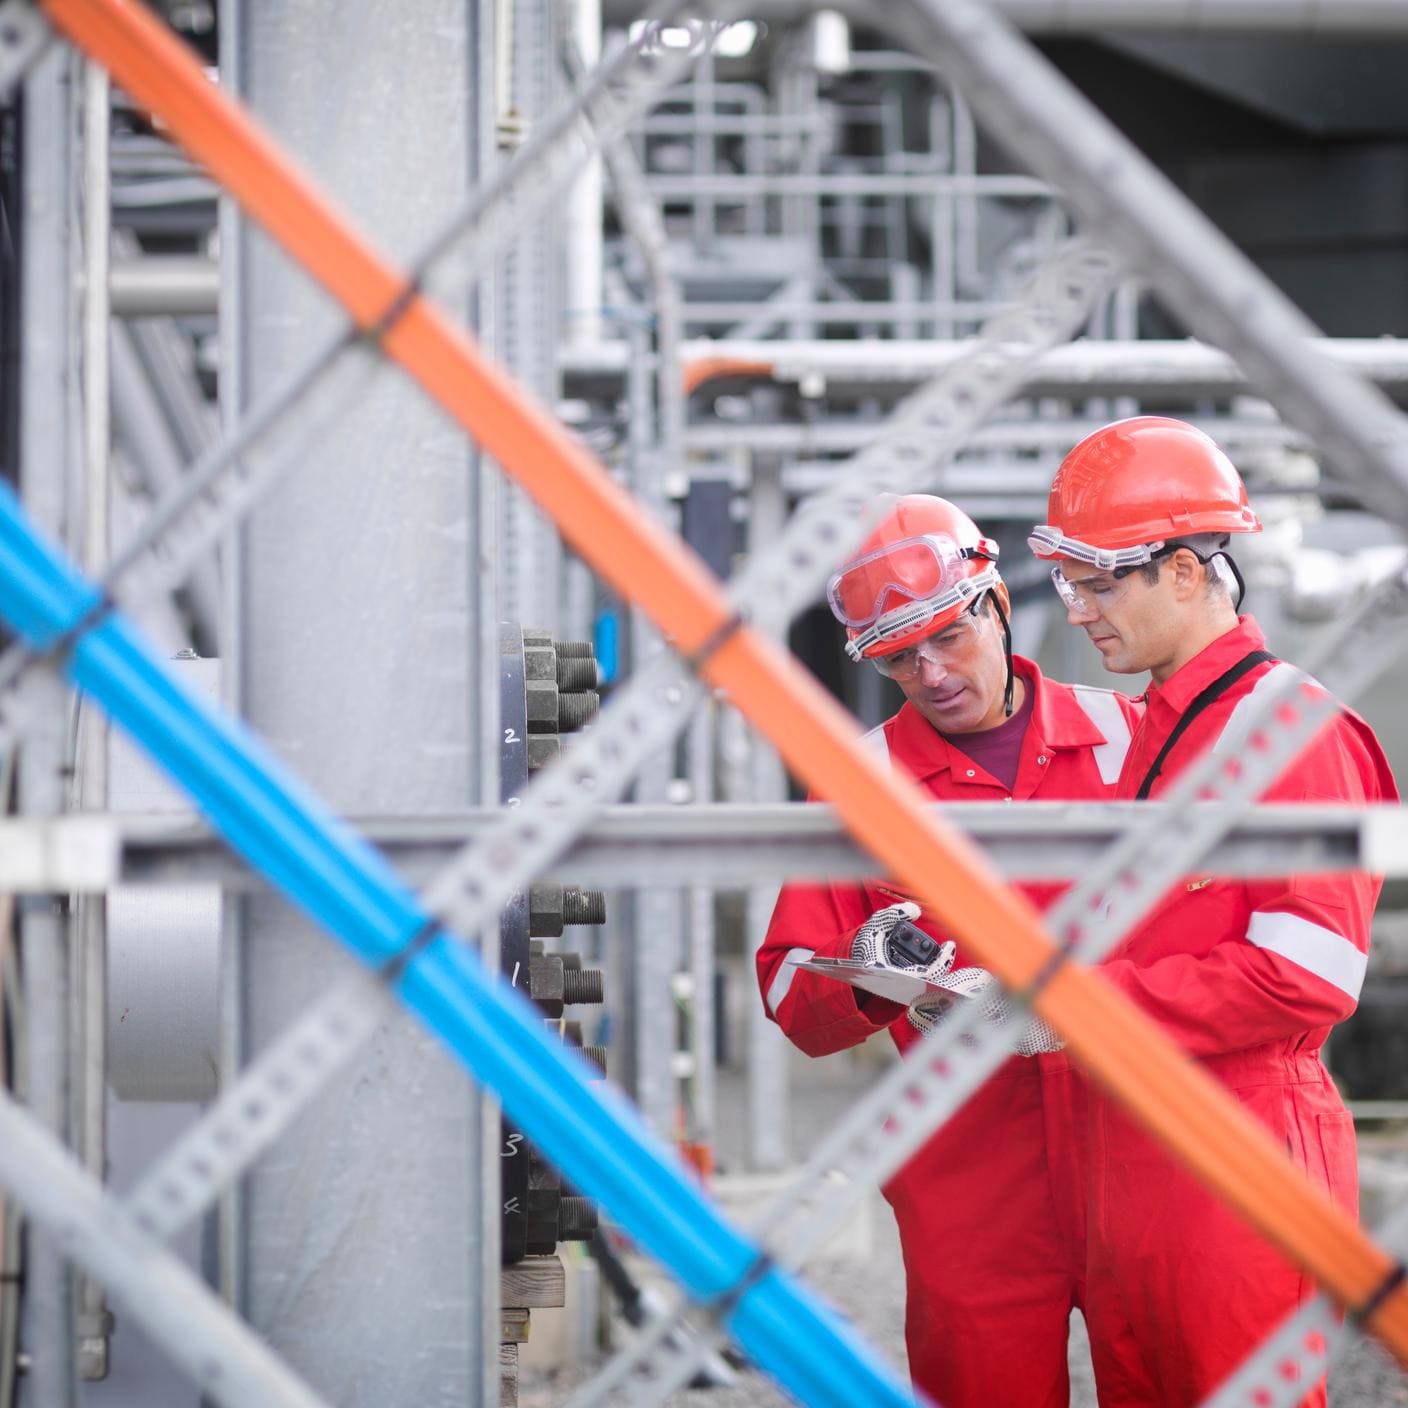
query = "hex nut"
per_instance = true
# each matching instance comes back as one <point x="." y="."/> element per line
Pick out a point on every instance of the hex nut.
<point x="541" y="700"/>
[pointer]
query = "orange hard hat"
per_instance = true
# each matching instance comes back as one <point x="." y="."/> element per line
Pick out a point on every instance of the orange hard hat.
<point x="1130" y="487"/>
<point x="924" y="564"/>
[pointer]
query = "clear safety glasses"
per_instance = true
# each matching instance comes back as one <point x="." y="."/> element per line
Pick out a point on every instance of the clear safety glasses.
<point x="1092" y="595"/>
<point x="944" y="647"/>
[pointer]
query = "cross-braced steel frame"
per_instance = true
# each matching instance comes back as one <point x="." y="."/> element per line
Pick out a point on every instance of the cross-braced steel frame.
<point x="408" y="944"/>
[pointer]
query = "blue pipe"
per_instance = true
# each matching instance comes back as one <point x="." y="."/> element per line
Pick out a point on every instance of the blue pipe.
<point x="286" y="832"/>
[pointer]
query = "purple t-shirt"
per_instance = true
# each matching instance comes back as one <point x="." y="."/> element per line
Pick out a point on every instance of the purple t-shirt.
<point x="996" y="750"/>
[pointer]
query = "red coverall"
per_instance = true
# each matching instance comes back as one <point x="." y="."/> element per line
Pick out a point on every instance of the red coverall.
<point x="991" y="1210"/>
<point x="1249" y="977"/>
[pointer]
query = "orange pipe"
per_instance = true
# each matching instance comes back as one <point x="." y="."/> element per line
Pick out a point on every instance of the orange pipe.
<point x="703" y="369"/>
<point x="1195" y="1117"/>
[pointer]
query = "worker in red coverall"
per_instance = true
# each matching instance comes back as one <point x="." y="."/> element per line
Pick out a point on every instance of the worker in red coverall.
<point x="1248" y="976"/>
<point x="990" y="1211"/>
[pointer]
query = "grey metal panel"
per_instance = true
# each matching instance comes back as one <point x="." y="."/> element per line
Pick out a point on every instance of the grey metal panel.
<point x="163" y="947"/>
<point x="363" y="1224"/>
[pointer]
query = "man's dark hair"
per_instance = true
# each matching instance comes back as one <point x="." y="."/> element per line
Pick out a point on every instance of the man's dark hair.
<point x="1203" y="546"/>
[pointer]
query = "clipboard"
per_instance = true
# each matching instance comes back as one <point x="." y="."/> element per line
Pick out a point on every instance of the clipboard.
<point x="888" y="983"/>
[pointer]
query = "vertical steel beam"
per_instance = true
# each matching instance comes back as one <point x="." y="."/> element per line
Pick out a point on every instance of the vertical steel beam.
<point x="700" y="921"/>
<point x="49" y="456"/>
<point x="583" y="295"/>
<point x="231" y="1244"/>
<point x="89" y="955"/>
<point x="484" y="577"/>
<point x="528" y="321"/>
<point x="767" y="1048"/>
<point x="365" y="1226"/>
<point x="652" y="933"/>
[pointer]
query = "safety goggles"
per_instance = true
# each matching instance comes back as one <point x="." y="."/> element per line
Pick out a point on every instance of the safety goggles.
<point x="898" y="589"/>
<point x="905" y="620"/>
<point x="1047" y="540"/>
<point x="914" y="569"/>
<point x="942" y="648"/>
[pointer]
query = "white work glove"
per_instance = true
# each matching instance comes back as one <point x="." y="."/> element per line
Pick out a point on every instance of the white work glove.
<point x="871" y="944"/>
<point x="978" y="985"/>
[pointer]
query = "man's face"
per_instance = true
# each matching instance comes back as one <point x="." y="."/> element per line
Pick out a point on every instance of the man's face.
<point x="956" y="677"/>
<point x="1129" y="620"/>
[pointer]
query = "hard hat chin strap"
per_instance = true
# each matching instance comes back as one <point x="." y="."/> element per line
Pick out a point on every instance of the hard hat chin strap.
<point x="1007" y="650"/>
<point x="1237" y="577"/>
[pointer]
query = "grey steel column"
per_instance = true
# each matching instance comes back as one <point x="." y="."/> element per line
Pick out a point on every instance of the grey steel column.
<point x="527" y="291"/>
<point x="484" y="578"/>
<point x="702" y="947"/>
<point x="653" y="935"/>
<point x="364" y="1225"/>
<point x="88" y="956"/>
<point x="767" y="1048"/>
<point x="49" y="459"/>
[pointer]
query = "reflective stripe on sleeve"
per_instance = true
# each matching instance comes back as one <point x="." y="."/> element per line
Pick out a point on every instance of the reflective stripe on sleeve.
<point x="877" y="745"/>
<point x="1328" y="955"/>
<point x="782" y="981"/>
<point x="1103" y="710"/>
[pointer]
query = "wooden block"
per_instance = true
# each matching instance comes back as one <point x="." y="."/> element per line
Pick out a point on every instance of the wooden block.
<point x="515" y="1327"/>
<point x="533" y="1283"/>
<point x="508" y="1376"/>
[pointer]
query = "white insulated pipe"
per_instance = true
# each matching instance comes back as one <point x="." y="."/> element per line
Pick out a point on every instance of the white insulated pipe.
<point x="584" y="233"/>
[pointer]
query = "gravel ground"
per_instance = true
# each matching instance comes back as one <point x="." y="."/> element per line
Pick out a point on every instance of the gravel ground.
<point x="866" y="1281"/>
<point x="870" y="1294"/>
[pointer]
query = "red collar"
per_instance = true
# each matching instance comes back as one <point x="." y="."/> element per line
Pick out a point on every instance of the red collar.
<point x="1057" y="721"/>
<point x="1214" y="659"/>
